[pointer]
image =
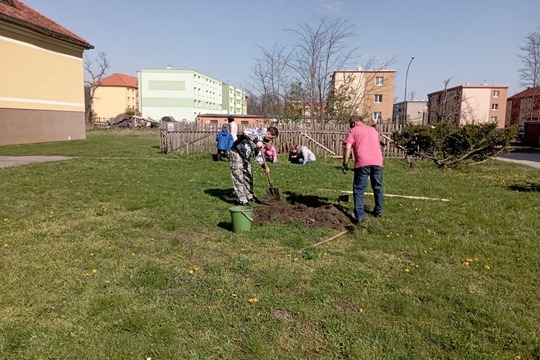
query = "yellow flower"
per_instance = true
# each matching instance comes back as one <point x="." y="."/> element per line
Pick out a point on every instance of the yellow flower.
<point x="6" y="219"/>
<point x="94" y="271"/>
<point x="466" y="263"/>
<point x="196" y="268"/>
<point x="487" y="267"/>
<point x="252" y="300"/>
<point x="295" y="259"/>
<point x="361" y="310"/>
<point x="475" y="259"/>
<point x="469" y="260"/>
<point x="6" y="245"/>
<point x="190" y="271"/>
<point x="406" y="270"/>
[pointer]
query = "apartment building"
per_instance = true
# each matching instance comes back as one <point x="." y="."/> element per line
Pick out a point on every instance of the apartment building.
<point x="234" y="100"/>
<point x="41" y="78"/>
<point x="185" y="94"/>
<point x="469" y="104"/>
<point x="410" y="112"/>
<point x="115" y="94"/>
<point x="367" y="93"/>
<point x="523" y="106"/>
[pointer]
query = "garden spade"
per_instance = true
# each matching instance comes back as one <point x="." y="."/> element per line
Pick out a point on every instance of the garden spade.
<point x="272" y="192"/>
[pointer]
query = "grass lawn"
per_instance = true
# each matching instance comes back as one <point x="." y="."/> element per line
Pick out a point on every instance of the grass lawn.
<point x="125" y="253"/>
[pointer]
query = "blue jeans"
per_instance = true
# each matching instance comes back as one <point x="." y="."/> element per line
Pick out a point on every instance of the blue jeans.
<point x="361" y="176"/>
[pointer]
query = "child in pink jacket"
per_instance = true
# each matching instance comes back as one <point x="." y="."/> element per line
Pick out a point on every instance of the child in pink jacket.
<point x="270" y="153"/>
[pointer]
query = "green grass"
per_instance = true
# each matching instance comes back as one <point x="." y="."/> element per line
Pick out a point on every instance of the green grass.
<point x="96" y="253"/>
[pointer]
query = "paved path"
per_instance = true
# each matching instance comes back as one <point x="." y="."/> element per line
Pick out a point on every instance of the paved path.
<point x="7" y="161"/>
<point x="530" y="159"/>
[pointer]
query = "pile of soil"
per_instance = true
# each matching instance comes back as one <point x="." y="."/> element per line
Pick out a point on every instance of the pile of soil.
<point x="309" y="211"/>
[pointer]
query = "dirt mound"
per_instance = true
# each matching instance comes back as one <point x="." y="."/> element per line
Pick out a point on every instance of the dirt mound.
<point x="311" y="211"/>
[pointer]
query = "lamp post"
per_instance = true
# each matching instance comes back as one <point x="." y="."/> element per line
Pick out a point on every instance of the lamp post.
<point x="406" y="76"/>
<point x="405" y="95"/>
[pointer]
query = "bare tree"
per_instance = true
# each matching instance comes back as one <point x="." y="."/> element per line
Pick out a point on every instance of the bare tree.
<point x="353" y="94"/>
<point x="318" y="52"/>
<point x="530" y="72"/>
<point x="270" y="80"/>
<point x="95" y="70"/>
<point x="451" y="106"/>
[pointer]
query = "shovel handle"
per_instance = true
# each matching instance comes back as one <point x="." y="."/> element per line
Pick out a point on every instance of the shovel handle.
<point x="267" y="174"/>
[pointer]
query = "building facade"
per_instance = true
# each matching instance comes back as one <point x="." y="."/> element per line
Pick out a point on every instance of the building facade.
<point x="234" y="100"/>
<point x="469" y="104"/>
<point x="42" y="78"/>
<point x="367" y="93"/>
<point x="114" y="95"/>
<point x="523" y="106"/>
<point x="184" y="94"/>
<point x="410" y="112"/>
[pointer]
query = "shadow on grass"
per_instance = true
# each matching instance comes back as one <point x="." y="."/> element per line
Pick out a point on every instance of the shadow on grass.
<point x="315" y="201"/>
<point x="225" y="195"/>
<point x="225" y="225"/>
<point x="526" y="187"/>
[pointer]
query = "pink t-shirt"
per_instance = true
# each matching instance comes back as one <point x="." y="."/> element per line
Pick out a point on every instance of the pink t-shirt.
<point x="366" y="146"/>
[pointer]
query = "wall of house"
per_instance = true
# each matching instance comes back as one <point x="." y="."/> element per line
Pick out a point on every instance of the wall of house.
<point x="183" y="94"/>
<point x="364" y="88"/>
<point x="110" y="101"/>
<point x="41" y="89"/>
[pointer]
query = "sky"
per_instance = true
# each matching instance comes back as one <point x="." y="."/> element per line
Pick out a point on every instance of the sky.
<point x="467" y="41"/>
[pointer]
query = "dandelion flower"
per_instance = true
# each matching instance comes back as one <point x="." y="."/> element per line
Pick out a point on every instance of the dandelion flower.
<point x="487" y="267"/>
<point x="361" y="310"/>
<point x="466" y="263"/>
<point x="406" y="270"/>
<point x="295" y="259"/>
<point x="94" y="271"/>
<point x="252" y="300"/>
<point x="6" y="245"/>
<point x="190" y="271"/>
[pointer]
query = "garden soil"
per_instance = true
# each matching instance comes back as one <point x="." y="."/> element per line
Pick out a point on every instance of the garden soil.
<point x="311" y="212"/>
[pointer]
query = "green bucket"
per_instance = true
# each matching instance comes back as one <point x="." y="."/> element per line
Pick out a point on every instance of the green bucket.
<point x="241" y="217"/>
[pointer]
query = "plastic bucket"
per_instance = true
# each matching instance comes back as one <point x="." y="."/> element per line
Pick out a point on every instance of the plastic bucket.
<point x="241" y="217"/>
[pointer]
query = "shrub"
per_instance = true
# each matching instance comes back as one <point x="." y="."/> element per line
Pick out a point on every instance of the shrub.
<point x="449" y="147"/>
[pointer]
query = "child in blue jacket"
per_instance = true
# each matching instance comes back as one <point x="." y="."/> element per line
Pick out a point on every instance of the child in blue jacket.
<point x="224" y="142"/>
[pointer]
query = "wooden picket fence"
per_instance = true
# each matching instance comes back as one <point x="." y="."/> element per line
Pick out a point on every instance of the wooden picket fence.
<point x="324" y="139"/>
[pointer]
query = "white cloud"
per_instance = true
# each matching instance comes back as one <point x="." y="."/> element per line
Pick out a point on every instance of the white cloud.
<point x="329" y="6"/>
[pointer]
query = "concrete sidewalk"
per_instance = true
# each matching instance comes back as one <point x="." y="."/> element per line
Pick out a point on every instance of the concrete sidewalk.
<point x="7" y="161"/>
<point x="531" y="159"/>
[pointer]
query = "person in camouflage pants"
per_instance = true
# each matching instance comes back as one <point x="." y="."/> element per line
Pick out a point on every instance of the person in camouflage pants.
<point x="249" y="144"/>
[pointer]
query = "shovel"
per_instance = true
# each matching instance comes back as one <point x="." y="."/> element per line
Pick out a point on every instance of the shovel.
<point x="272" y="192"/>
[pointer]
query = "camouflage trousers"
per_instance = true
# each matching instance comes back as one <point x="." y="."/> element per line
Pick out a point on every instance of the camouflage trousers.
<point x="242" y="177"/>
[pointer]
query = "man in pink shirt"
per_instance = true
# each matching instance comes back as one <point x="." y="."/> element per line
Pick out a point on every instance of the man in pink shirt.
<point x="364" y="140"/>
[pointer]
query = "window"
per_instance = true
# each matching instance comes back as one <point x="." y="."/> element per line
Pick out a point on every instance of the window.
<point x="377" y="115"/>
<point x="378" y="98"/>
<point x="494" y="119"/>
<point x="494" y="106"/>
<point x="379" y="80"/>
<point x="495" y="93"/>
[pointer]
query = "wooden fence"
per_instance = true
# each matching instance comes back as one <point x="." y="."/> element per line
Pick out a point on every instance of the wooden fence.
<point x="323" y="139"/>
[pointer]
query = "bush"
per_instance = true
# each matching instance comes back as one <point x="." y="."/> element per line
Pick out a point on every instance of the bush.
<point x="449" y="147"/>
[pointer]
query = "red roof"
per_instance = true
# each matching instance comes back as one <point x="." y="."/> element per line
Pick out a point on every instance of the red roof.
<point x="526" y="93"/>
<point x="119" y="80"/>
<point x="16" y="12"/>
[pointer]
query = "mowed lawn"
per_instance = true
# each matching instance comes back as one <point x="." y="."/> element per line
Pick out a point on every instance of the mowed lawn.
<point x="124" y="252"/>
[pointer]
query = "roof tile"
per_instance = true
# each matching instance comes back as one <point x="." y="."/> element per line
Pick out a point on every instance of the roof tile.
<point x="22" y="13"/>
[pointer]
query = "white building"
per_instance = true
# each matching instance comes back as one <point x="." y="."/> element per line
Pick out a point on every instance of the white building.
<point x="181" y="93"/>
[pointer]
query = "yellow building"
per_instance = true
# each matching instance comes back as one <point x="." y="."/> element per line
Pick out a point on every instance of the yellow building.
<point x="366" y="93"/>
<point x="42" y="78"/>
<point x="114" y="95"/>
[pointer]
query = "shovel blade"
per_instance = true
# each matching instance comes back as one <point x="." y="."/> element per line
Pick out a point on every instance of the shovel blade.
<point x="273" y="193"/>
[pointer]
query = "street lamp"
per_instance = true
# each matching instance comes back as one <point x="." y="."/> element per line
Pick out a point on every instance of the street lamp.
<point x="406" y="76"/>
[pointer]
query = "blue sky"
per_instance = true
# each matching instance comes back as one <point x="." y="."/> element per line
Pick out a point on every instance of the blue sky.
<point x="473" y="41"/>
